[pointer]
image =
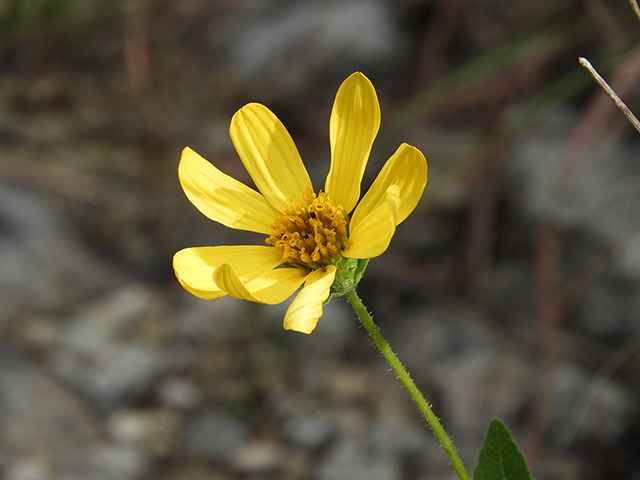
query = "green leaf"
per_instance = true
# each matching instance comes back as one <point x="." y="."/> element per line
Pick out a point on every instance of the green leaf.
<point x="500" y="458"/>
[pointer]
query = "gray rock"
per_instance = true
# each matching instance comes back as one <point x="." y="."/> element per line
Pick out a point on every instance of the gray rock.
<point x="392" y="434"/>
<point x="38" y="416"/>
<point x="474" y="370"/>
<point x="48" y="433"/>
<point x="109" y="350"/>
<point x="589" y="407"/>
<point x="411" y="443"/>
<point x="179" y="393"/>
<point x="95" y="462"/>
<point x="214" y="435"/>
<point x="308" y="431"/>
<point x="44" y="266"/>
<point x="209" y="321"/>
<point x="587" y="196"/>
<point x="155" y="431"/>
<point x="479" y="385"/>
<point x="609" y="308"/>
<point x="100" y="461"/>
<point x="334" y="333"/>
<point x="26" y="468"/>
<point x="259" y="457"/>
<point x="389" y="447"/>
<point x="269" y="38"/>
<point x="355" y="460"/>
<point x="594" y="210"/>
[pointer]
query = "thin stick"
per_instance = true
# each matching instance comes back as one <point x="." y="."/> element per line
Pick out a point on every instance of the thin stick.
<point x="596" y="76"/>
<point x="581" y="408"/>
<point x="634" y="5"/>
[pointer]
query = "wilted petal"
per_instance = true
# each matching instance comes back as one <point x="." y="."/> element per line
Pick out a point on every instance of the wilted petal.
<point x="407" y="168"/>
<point x="372" y="235"/>
<point x="271" y="287"/>
<point x="306" y="309"/>
<point x="194" y="267"/>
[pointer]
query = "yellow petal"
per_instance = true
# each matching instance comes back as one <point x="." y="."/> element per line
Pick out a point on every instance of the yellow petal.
<point x="223" y="198"/>
<point x="355" y="120"/>
<point x="271" y="287"/>
<point x="407" y="168"/>
<point x="194" y="267"/>
<point x="269" y="155"/>
<point x="306" y="309"/>
<point x="372" y="235"/>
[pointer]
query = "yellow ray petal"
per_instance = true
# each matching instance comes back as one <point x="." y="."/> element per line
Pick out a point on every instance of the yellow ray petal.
<point x="355" y="120"/>
<point x="223" y="198"/>
<point x="271" y="287"/>
<point x="407" y="168"/>
<point x="372" y="235"/>
<point x="194" y="267"/>
<point x="306" y="309"/>
<point x="269" y="155"/>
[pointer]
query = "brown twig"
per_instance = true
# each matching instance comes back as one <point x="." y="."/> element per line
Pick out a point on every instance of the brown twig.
<point x="635" y="7"/>
<point x="437" y="39"/>
<point x="139" y="70"/>
<point x="547" y="278"/>
<point x="51" y="177"/>
<point x="600" y="81"/>
<point x="598" y="113"/>
<point x="554" y="299"/>
<point x="615" y="361"/>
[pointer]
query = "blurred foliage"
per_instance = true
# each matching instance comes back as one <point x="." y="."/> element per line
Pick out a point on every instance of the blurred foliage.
<point x="19" y="16"/>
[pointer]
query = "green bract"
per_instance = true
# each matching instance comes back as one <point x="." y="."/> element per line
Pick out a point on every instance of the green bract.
<point x="348" y="274"/>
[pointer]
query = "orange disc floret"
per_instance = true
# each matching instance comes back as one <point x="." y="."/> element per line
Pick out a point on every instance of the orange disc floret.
<point x="310" y="237"/>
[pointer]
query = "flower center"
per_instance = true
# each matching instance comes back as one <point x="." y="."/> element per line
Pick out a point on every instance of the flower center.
<point x="313" y="236"/>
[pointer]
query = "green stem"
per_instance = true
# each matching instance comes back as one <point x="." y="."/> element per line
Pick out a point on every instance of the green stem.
<point x="404" y="377"/>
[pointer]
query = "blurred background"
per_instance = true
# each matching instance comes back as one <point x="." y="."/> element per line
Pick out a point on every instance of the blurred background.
<point x="512" y="291"/>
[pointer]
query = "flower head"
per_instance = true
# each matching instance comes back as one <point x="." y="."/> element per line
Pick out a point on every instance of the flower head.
<point x="320" y="241"/>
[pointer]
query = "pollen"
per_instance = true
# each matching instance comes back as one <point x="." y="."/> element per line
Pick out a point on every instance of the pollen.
<point x="310" y="236"/>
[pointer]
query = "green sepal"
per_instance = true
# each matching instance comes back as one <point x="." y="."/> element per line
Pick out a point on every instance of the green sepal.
<point x="349" y="272"/>
<point x="500" y="458"/>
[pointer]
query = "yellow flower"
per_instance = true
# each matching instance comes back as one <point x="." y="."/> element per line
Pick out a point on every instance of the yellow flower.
<point x="312" y="240"/>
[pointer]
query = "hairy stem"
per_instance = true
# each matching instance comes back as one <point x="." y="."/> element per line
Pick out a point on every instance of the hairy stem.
<point x="408" y="383"/>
